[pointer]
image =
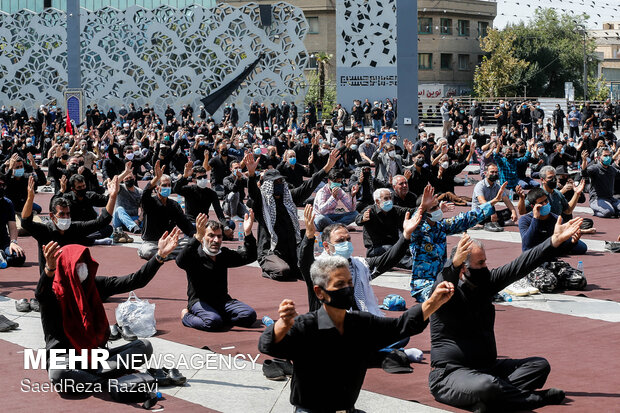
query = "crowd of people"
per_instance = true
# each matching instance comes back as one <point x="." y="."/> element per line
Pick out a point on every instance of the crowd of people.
<point x="184" y="183"/>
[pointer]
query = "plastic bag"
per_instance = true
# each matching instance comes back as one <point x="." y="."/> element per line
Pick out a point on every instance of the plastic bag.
<point x="138" y="315"/>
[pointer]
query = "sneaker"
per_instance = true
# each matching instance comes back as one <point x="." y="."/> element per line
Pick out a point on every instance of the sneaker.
<point x="493" y="227"/>
<point x="103" y="241"/>
<point x="521" y="288"/>
<point x="5" y="321"/>
<point x="477" y="227"/>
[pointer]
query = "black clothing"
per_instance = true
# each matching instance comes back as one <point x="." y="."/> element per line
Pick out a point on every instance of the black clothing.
<point x="82" y="209"/>
<point x="410" y="200"/>
<point x="51" y="313"/>
<point x="220" y="168"/>
<point x="17" y="188"/>
<point x="198" y="200"/>
<point x="207" y="280"/>
<point x="76" y="234"/>
<point x="283" y="227"/>
<point x="159" y="217"/>
<point x="314" y="341"/>
<point x="382" y="227"/>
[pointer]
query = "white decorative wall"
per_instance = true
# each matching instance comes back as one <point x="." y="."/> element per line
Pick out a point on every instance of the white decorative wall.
<point x="366" y="49"/>
<point x="161" y="56"/>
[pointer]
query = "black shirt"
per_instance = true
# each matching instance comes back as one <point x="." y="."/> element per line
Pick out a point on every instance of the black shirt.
<point x="382" y="227"/>
<point x="220" y="169"/>
<point x="199" y="200"/>
<point x="207" y="280"/>
<point x="83" y="209"/>
<point x="462" y="330"/>
<point x="329" y="368"/>
<point x="409" y="201"/>
<point x="160" y="217"/>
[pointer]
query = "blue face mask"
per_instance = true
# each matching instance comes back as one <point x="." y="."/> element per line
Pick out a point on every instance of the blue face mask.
<point x="545" y="210"/>
<point x="306" y="141"/>
<point x="387" y="205"/>
<point x="20" y="172"/>
<point x="292" y="161"/>
<point x="165" y="191"/>
<point x="257" y="151"/>
<point x="333" y="185"/>
<point x="607" y="160"/>
<point x="344" y="249"/>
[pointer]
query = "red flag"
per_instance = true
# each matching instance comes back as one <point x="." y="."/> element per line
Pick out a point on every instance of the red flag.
<point x="68" y="126"/>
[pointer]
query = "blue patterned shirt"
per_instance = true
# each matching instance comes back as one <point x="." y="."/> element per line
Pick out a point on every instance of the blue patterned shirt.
<point x="508" y="168"/>
<point x="428" y="243"/>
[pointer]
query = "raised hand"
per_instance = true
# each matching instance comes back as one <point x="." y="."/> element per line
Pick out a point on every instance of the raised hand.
<point x="187" y="171"/>
<point x="309" y="216"/>
<point x="31" y="187"/>
<point x="333" y="158"/>
<point x="407" y="173"/>
<point x="579" y="188"/>
<point x="63" y="184"/>
<point x="50" y="252"/>
<point x="287" y="312"/>
<point x="250" y="163"/>
<point x="519" y="191"/>
<point x="463" y="249"/>
<point x="201" y="226"/>
<point x="168" y="242"/>
<point x="442" y="294"/>
<point x="411" y="223"/>
<point x="428" y="198"/>
<point x="564" y="232"/>
<point x="113" y="187"/>
<point x="500" y="194"/>
<point x="366" y="216"/>
<point x="248" y="221"/>
<point x="446" y="206"/>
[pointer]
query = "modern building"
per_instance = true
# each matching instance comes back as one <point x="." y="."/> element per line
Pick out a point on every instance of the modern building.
<point x="449" y="41"/>
<point x="37" y="6"/>
<point x="608" y="48"/>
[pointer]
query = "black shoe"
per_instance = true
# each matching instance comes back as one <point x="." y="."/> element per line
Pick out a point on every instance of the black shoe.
<point x="479" y="408"/>
<point x="493" y="227"/>
<point x="175" y="377"/>
<point x="115" y="332"/>
<point x="161" y="376"/>
<point x="552" y="396"/>
<point x="12" y="324"/>
<point x="34" y="305"/>
<point x="23" y="306"/>
<point x="127" y="334"/>
<point x="285" y="365"/>
<point x="273" y="371"/>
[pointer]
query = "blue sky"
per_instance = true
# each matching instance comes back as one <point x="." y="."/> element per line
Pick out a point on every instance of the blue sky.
<point x="509" y="11"/>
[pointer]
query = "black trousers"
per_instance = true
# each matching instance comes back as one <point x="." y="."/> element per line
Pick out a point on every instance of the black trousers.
<point x="508" y="385"/>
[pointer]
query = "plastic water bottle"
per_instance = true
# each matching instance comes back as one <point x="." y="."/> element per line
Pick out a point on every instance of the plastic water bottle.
<point x="579" y="266"/>
<point x="320" y="241"/>
<point x="512" y="194"/>
<point x="267" y="321"/>
<point x="241" y="235"/>
<point x="505" y="296"/>
<point x="316" y="245"/>
<point x="2" y="261"/>
<point x="466" y="180"/>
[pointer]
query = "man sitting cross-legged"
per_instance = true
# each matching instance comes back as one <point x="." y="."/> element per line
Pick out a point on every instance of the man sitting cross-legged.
<point x="209" y="306"/>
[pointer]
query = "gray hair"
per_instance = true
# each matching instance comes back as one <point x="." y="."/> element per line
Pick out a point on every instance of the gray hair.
<point x="474" y="241"/>
<point x="377" y="194"/>
<point x="323" y="266"/>
<point x="547" y="168"/>
<point x="395" y="178"/>
<point x="165" y="176"/>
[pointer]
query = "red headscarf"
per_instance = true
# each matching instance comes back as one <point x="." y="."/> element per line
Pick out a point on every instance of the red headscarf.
<point x="83" y="316"/>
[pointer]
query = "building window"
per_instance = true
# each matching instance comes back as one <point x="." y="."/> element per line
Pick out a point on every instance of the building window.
<point x="463" y="27"/>
<point x="313" y="25"/>
<point x="482" y="29"/>
<point x="446" y="26"/>
<point x="463" y="62"/>
<point x="425" y="25"/>
<point x="425" y="61"/>
<point x="446" y="61"/>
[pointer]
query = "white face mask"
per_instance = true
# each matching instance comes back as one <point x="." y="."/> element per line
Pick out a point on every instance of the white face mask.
<point x="392" y="154"/>
<point x="201" y="183"/>
<point x="445" y="165"/>
<point x="205" y="248"/>
<point x="324" y="151"/>
<point x="82" y="271"/>
<point x="63" y="224"/>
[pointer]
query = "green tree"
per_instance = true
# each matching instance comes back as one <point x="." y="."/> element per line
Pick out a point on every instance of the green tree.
<point x="597" y="89"/>
<point x="500" y="71"/>
<point x="314" y="90"/>
<point x="553" y="47"/>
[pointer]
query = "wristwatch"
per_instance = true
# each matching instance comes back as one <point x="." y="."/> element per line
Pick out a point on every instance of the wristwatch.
<point x="159" y="258"/>
<point x="14" y="241"/>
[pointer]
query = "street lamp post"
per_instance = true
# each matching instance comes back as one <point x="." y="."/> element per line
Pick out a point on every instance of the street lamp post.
<point x="585" y="61"/>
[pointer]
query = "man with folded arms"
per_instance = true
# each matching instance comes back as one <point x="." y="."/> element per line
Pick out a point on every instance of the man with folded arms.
<point x="331" y="336"/>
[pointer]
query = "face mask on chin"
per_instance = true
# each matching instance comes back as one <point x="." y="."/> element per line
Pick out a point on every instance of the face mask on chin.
<point x="205" y="248"/>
